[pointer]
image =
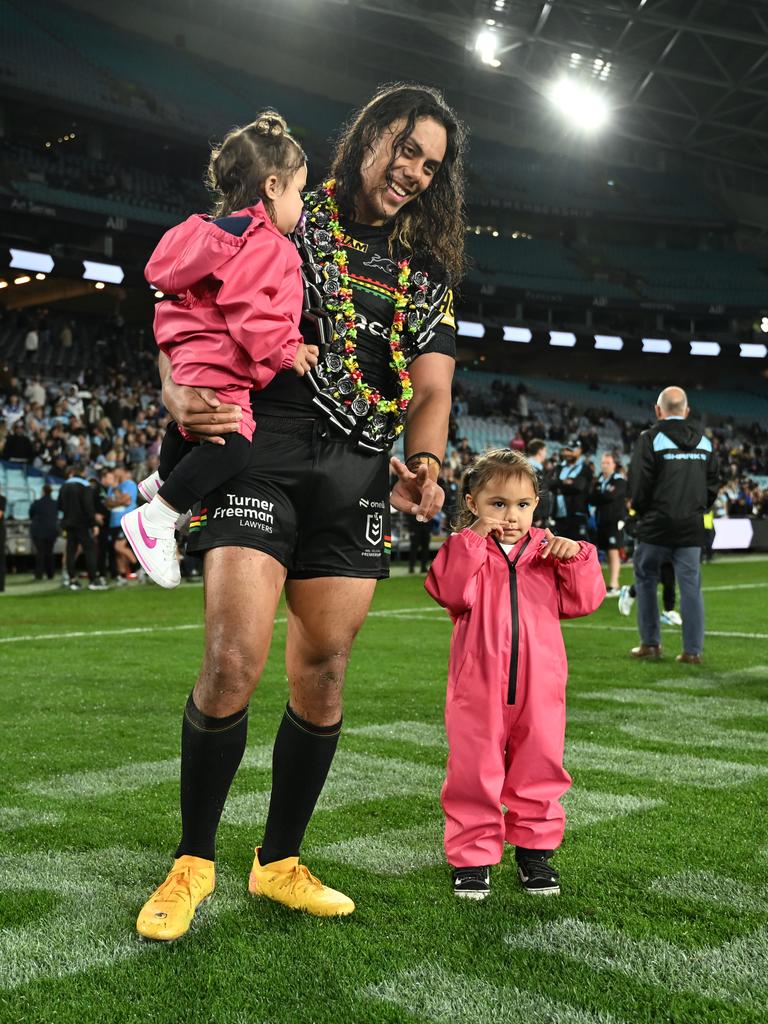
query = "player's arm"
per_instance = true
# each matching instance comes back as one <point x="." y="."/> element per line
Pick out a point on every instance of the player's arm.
<point x="417" y="490"/>
<point x="198" y="410"/>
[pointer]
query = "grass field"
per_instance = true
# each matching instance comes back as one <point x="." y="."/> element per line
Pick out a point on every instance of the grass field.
<point x="664" y="911"/>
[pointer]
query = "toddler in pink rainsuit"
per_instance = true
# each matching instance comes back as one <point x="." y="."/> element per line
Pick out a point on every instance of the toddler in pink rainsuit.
<point x="506" y="585"/>
<point x="233" y="325"/>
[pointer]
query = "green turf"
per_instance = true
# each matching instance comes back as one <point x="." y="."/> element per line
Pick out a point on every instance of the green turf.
<point x="664" y="911"/>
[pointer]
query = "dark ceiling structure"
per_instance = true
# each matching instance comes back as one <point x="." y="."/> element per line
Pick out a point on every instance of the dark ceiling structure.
<point x="690" y="76"/>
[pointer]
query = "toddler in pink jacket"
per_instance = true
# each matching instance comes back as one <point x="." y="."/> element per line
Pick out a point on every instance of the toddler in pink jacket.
<point x="506" y="585"/>
<point x="233" y="324"/>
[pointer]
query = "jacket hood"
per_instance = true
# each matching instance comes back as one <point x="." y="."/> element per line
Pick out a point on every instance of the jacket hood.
<point x="684" y="433"/>
<point x="198" y="247"/>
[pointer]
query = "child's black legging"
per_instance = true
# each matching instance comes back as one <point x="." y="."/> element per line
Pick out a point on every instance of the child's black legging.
<point x="667" y="575"/>
<point x="190" y="470"/>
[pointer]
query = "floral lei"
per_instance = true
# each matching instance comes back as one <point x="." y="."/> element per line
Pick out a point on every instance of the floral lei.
<point x="410" y="311"/>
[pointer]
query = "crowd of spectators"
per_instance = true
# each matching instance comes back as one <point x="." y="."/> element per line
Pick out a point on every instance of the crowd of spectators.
<point x="106" y="423"/>
<point x="742" y="450"/>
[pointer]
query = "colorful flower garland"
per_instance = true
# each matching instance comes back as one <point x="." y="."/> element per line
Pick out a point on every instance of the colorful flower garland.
<point x="339" y="302"/>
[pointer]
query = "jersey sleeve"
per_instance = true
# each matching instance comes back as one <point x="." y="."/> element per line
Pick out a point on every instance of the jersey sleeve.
<point x="443" y="337"/>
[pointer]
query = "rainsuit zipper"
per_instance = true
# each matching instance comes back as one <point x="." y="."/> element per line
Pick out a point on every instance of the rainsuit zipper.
<point x="513" y="656"/>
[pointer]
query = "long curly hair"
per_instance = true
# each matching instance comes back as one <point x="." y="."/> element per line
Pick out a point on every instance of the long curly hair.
<point x="432" y="226"/>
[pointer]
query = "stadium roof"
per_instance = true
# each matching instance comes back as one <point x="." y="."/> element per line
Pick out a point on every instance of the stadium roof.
<point x="685" y="75"/>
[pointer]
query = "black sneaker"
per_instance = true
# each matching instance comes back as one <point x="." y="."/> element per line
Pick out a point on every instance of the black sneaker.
<point x="472" y="883"/>
<point x="537" y="876"/>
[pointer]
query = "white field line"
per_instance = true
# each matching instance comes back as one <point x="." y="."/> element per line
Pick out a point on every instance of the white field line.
<point x="734" y="586"/>
<point x="90" y="926"/>
<point x="421" y="614"/>
<point x="433" y="993"/>
<point x="12" y="818"/>
<point x="686" y="704"/>
<point x="706" y="887"/>
<point x="127" y="630"/>
<point x="654" y="728"/>
<point x="736" y="971"/>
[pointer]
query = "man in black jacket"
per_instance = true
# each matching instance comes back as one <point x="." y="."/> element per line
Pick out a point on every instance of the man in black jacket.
<point x="43" y="529"/>
<point x="570" y="487"/>
<point x="673" y="480"/>
<point x="78" y="519"/>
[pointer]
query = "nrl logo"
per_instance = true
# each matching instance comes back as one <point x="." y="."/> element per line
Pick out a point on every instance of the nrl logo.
<point x="374" y="528"/>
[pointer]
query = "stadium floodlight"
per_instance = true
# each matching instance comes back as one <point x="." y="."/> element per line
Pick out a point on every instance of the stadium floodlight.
<point x="469" y="329"/>
<point x="102" y="272"/>
<point x="24" y="279"/>
<point x="582" y="104"/>
<point x="25" y="259"/>
<point x="562" y="339"/>
<point x="753" y="350"/>
<point x="486" y="46"/>
<point x="659" y="346"/>
<point x="705" y="348"/>
<point x="609" y="342"/>
<point x="521" y="334"/>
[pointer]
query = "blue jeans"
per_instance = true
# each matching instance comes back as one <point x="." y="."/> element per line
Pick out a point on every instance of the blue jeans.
<point x="648" y="559"/>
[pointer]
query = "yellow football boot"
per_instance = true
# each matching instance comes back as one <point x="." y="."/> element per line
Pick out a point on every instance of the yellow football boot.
<point x="168" y="912"/>
<point x="292" y="884"/>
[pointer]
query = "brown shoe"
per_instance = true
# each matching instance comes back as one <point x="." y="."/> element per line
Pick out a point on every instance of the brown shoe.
<point x="689" y="659"/>
<point x="649" y="651"/>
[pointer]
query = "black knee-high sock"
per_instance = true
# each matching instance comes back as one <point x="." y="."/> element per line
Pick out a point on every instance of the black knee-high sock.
<point x="211" y="751"/>
<point x="301" y="760"/>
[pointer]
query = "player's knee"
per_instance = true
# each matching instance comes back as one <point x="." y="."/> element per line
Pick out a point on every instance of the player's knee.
<point x="229" y="676"/>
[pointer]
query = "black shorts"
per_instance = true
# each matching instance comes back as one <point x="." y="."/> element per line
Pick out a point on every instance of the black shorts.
<point x="313" y="501"/>
<point x="609" y="536"/>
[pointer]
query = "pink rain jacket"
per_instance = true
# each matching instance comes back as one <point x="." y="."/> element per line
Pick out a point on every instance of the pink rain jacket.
<point x="505" y="705"/>
<point x="236" y="323"/>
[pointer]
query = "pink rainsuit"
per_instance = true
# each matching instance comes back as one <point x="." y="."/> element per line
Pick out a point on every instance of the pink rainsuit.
<point x="236" y="323"/>
<point x="505" y="706"/>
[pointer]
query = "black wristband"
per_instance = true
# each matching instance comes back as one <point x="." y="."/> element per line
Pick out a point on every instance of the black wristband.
<point x="424" y="455"/>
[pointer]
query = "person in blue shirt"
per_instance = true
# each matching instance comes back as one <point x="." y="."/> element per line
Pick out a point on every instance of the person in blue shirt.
<point x="571" y="487"/>
<point x="122" y="497"/>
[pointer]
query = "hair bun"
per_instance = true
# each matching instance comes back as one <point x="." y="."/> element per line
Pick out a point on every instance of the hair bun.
<point x="269" y="124"/>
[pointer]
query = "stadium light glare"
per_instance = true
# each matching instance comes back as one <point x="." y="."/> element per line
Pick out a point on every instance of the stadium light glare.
<point x="764" y="325"/>
<point x="99" y="285"/>
<point x="609" y="342"/>
<point x="102" y="272"/>
<point x="39" y="277"/>
<point x="705" y="348"/>
<point x="25" y="259"/>
<point x="24" y="279"/>
<point x="159" y="294"/>
<point x="659" y="346"/>
<point x="751" y="350"/>
<point x="562" y="339"/>
<point x="521" y="334"/>
<point x="584" y="107"/>
<point x="3" y="284"/>
<point x="469" y="329"/>
<point x="486" y="46"/>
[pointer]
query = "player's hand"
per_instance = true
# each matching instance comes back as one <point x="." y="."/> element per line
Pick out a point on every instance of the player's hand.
<point x="306" y="358"/>
<point x="415" y="493"/>
<point x="558" y="547"/>
<point x="484" y="526"/>
<point x="200" y="412"/>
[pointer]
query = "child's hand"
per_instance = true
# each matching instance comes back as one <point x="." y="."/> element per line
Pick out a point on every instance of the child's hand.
<point x="559" y="547"/>
<point x="485" y="526"/>
<point x="306" y="358"/>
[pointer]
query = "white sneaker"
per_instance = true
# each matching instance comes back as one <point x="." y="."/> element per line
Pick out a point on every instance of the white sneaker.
<point x="149" y="486"/>
<point x="625" y="601"/>
<point x="671" y="618"/>
<point x="155" y="549"/>
<point x="613" y="592"/>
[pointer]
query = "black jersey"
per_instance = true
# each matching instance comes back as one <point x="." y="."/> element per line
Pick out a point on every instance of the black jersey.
<point x="373" y="277"/>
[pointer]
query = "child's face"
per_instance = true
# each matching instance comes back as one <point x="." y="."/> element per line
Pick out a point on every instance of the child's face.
<point x="511" y="500"/>
<point x="287" y="201"/>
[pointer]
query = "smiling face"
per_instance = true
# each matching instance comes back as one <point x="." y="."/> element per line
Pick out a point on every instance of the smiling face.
<point x="395" y="173"/>
<point x="511" y="499"/>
